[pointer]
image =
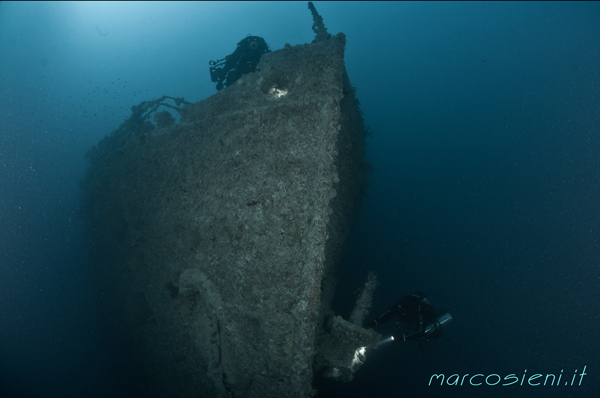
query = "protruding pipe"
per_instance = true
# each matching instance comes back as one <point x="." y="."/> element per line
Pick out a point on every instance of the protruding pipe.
<point x="318" y="25"/>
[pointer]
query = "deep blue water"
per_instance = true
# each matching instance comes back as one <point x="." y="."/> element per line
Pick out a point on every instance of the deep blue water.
<point x="485" y="190"/>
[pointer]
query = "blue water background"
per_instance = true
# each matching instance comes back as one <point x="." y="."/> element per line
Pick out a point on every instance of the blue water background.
<point x="485" y="190"/>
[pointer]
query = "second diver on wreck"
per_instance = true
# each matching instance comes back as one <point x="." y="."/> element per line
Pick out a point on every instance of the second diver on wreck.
<point x="418" y="318"/>
<point x="248" y="52"/>
<point x="243" y="60"/>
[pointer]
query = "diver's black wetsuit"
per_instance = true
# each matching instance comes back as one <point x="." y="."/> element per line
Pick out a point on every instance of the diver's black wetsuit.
<point x="243" y="60"/>
<point x="414" y="311"/>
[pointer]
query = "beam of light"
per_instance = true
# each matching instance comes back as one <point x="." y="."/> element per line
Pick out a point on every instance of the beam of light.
<point x="385" y="341"/>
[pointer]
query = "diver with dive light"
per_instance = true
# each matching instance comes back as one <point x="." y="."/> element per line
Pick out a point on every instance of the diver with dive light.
<point x="419" y="318"/>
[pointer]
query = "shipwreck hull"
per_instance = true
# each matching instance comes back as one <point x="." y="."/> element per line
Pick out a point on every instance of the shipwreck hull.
<point x="214" y="240"/>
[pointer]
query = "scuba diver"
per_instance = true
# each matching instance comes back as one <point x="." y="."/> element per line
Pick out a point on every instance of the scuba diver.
<point x="419" y="318"/>
<point x="243" y="60"/>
